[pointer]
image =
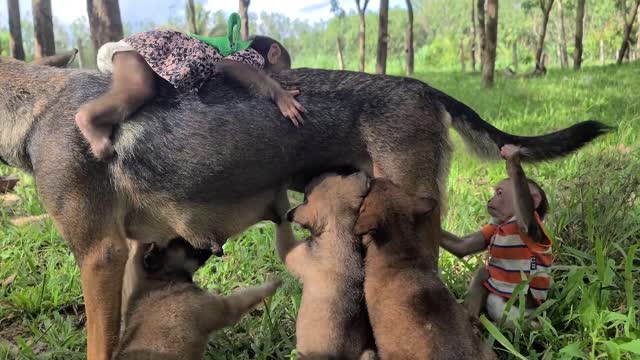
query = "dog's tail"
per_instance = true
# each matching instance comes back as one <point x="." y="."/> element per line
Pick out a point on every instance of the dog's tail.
<point x="486" y="140"/>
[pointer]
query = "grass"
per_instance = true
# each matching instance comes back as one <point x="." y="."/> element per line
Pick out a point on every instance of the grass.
<point x="594" y="219"/>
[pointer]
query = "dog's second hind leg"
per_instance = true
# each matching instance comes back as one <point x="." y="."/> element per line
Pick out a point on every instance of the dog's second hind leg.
<point x="97" y="237"/>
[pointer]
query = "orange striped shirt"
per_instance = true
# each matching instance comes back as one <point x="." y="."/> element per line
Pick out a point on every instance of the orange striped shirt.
<point x="512" y="253"/>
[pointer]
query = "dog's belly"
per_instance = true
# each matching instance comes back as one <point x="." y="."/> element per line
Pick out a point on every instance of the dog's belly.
<point x="202" y="225"/>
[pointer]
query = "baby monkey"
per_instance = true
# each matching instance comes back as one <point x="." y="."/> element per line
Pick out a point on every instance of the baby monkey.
<point x="167" y="316"/>
<point x="516" y="242"/>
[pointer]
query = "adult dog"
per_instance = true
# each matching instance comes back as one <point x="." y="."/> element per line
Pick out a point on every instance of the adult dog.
<point x="207" y="167"/>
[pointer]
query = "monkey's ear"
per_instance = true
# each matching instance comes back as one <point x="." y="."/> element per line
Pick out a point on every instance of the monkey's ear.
<point x="425" y="206"/>
<point x="537" y="198"/>
<point x="274" y="54"/>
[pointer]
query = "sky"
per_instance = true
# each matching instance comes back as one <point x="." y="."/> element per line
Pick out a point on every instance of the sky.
<point x="139" y="11"/>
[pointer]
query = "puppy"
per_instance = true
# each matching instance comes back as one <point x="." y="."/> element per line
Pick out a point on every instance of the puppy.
<point x="332" y="322"/>
<point x="413" y="314"/>
<point x="167" y="316"/>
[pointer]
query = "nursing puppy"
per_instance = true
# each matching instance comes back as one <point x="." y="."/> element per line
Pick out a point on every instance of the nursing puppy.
<point x="167" y="315"/>
<point x="412" y="313"/>
<point x="332" y="322"/>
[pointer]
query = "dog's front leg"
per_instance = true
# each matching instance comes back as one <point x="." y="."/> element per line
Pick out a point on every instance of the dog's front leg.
<point x="102" y="271"/>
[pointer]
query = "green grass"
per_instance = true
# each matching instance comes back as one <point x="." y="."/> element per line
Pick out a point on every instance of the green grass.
<point x="594" y="219"/>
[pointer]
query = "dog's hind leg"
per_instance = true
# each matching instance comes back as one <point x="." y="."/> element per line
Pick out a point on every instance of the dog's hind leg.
<point x="97" y="238"/>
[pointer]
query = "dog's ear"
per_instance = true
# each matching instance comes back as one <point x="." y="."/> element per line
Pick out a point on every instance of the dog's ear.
<point x="367" y="221"/>
<point x="300" y="215"/>
<point x="60" y="60"/>
<point x="154" y="258"/>
<point x="425" y="206"/>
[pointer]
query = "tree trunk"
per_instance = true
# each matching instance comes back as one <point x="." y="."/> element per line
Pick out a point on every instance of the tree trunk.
<point x="472" y="33"/>
<point x="191" y="17"/>
<point x="514" y="55"/>
<point x="463" y="65"/>
<point x="545" y="6"/>
<point x="383" y="38"/>
<point x="564" y="57"/>
<point x="339" y="53"/>
<point x="489" y="66"/>
<point x="43" y="28"/>
<point x="104" y="21"/>
<point x="408" y="46"/>
<point x="602" y="52"/>
<point x="628" y="27"/>
<point x="577" y="58"/>
<point x="16" y="50"/>
<point x="482" y="32"/>
<point x="244" y="14"/>
<point x="363" y="30"/>
<point x="638" y="45"/>
<point x="80" y="47"/>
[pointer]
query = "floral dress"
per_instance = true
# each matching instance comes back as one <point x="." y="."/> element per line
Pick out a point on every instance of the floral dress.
<point x="185" y="62"/>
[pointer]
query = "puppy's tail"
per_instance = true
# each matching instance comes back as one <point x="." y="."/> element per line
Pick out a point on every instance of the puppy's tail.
<point x="244" y="300"/>
<point x="486" y="140"/>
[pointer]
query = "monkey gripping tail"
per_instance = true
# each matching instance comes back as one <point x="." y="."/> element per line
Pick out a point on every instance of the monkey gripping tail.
<point x="486" y="140"/>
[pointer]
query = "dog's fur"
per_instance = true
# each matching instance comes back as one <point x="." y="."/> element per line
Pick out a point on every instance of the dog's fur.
<point x="204" y="167"/>
<point x="167" y="316"/>
<point x="332" y="322"/>
<point x="413" y="314"/>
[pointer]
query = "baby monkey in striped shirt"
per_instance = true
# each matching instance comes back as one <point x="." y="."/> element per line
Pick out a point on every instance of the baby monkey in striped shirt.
<point x="516" y="241"/>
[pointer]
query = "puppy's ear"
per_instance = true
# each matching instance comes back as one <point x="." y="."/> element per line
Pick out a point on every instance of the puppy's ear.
<point x="367" y="221"/>
<point x="154" y="258"/>
<point x="424" y="206"/>
<point x="300" y="215"/>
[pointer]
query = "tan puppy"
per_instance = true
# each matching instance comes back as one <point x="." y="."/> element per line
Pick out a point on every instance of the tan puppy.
<point x="168" y="316"/>
<point x="413" y="314"/>
<point x="332" y="322"/>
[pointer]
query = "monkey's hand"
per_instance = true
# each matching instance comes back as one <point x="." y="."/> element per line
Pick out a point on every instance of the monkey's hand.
<point x="289" y="106"/>
<point x="510" y="152"/>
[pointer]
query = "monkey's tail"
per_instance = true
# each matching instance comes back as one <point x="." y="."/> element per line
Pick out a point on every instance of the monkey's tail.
<point x="486" y="140"/>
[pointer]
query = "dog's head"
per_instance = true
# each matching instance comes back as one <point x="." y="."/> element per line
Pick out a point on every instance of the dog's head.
<point x="179" y="260"/>
<point x="388" y="207"/>
<point x="330" y="196"/>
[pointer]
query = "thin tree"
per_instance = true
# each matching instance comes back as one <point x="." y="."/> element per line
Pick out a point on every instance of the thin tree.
<point x="472" y="39"/>
<point x="104" y="21"/>
<point x="629" y="20"/>
<point x="545" y="6"/>
<point x="16" y="49"/>
<point x="362" y="33"/>
<point x="383" y="37"/>
<point x="43" y="27"/>
<point x="489" y="66"/>
<point x="564" y="56"/>
<point x="463" y="65"/>
<point x="340" y="15"/>
<point x="482" y="33"/>
<point x="244" y="14"/>
<point x="191" y="17"/>
<point x="577" y="57"/>
<point x="408" y="45"/>
<point x="339" y="48"/>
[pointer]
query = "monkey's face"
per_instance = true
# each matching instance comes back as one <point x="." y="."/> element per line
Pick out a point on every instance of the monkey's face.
<point x="501" y="205"/>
